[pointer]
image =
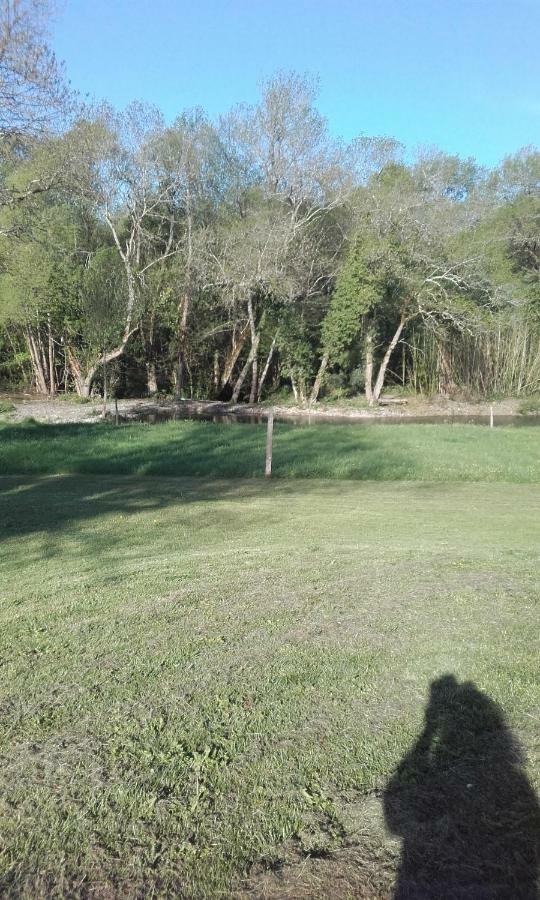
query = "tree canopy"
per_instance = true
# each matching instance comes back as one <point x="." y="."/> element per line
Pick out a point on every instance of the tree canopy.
<point x="253" y="253"/>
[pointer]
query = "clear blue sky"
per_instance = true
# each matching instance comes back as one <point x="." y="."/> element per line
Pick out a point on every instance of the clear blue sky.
<point x="461" y="74"/>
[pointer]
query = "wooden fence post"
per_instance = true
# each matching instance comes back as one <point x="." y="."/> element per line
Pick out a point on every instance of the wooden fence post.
<point x="269" y="438"/>
<point x="491" y="417"/>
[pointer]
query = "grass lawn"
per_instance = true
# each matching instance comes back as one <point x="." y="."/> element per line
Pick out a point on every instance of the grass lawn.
<point x="209" y="450"/>
<point x="220" y="686"/>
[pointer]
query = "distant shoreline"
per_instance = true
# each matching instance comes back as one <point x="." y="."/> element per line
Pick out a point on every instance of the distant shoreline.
<point x="46" y="409"/>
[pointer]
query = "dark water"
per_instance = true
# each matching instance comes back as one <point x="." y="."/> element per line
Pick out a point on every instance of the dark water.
<point x="223" y="418"/>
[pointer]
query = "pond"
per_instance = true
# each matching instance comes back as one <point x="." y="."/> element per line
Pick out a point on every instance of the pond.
<point x="224" y="418"/>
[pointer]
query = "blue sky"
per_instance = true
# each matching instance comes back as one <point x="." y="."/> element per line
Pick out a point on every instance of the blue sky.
<point x="464" y="76"/>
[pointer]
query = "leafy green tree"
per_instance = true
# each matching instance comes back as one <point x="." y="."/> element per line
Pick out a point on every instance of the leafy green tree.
<point x="401" y="266"/>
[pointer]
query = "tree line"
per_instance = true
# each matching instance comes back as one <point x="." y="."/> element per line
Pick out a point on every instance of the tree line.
<point x="253" y="254"/>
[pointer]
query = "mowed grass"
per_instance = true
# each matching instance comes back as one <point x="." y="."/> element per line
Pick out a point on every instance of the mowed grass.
<point x="207" y="449"/>
<point x="208" y="683"/>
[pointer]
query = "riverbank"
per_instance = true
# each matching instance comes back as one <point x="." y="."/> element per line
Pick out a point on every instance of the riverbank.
<point x="60" y="410"/>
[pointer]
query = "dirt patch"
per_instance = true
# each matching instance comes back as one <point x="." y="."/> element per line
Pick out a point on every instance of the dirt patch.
<point x="363" y="866"/>
<point x="342" y="875"/>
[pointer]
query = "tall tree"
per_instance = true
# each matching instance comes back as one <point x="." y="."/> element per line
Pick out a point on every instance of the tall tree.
<point x="401" y="266"/>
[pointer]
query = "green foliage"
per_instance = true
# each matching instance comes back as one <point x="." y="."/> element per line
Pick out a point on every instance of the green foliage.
<point x="530" y="406"/>
<point x="294" y="344"/>
<point x="102" y="299"/>
<point x="357" y="380"/>
<point x="133" y="222"/>
<point x="395" y="177"/>
<point x="358" y="289"/>
<point x="40" y="280"/>
<point x="23" y="288"/>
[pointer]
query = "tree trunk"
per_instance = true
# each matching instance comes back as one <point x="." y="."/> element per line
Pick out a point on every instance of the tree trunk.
<point x="522" y="367"/>
<point x="182" y="339"/>
<point x="254" y="380"/>
<point x="294" y="388"/>
<point x="238" y="342"/>
<point x="104" y="362"/>
<point x="182" y="335"/>
<point x="255" y="360"/>
<point x="446" y="384"/>
<point x="84" y="382"/>
<point x="150" y="354"/>
<point x="318" y="380"/>
<point x="252" y="357"/>
<point x="242" y="377"/>
<point x="377" y="390"/>
<point x="52" y="373"/>
<point x="75" y="369"/>
<point x="266" y="367"/>
<point x="84" y="385"/>
<point x="216" y="372"/>
<point x="38" y="363"/>
<point x="151" y="378"/>
<point x="369" y="368"/>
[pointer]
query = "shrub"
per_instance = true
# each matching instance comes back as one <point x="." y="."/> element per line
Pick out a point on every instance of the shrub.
<point x="530" y="406"/>
<point x="357" y="380"/>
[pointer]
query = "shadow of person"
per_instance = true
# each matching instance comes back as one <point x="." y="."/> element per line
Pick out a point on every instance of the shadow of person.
<point x="461" y="802"/>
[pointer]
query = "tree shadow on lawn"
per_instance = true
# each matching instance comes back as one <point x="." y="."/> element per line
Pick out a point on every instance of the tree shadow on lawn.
<point x="55" y="505"/>
<point x="62" y="504"/>
<point x="461" y="802"/>
<point x="87" y="465"/>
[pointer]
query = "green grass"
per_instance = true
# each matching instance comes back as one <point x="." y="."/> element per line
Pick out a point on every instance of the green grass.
<point x="207" y="679"/>
<point x="205" y="449"/>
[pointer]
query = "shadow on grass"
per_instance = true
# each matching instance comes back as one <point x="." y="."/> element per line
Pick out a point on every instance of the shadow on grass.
<point x="52" y="505"/>
<point x="56" y="505"/>
<point x="105" y="470"/>
<point x="461" y="802"/>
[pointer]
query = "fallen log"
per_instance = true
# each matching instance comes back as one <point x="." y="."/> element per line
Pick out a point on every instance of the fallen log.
<point x="385" y="401"/>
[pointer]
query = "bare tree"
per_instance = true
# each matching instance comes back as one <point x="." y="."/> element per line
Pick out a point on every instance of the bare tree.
<point x="32" y="91"/>
<point x="131" y="192"/>
<point x="286" y="176"/>
<point x="190" y="154"/>
<point x="34" y="98"/>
